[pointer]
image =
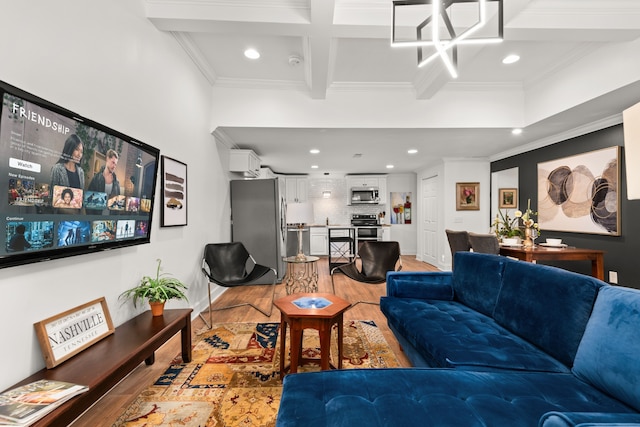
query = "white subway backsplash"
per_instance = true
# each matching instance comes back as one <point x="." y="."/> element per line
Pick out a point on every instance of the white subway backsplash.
<point x="336" y="208"/>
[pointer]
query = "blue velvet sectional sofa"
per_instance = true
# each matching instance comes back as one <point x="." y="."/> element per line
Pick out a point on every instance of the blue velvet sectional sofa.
<point x="499" y="343"/>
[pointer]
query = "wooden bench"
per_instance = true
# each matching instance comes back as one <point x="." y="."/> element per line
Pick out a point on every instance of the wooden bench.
<point x="105" y="363"/>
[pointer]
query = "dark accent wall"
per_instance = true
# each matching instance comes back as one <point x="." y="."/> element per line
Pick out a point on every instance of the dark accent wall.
<point x="622" y="253"/>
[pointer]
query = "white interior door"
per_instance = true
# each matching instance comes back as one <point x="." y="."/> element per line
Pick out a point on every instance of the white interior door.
<point x="429" y="227"/>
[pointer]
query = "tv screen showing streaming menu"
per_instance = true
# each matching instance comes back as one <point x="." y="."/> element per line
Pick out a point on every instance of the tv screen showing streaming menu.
<point x="72" y="185"/>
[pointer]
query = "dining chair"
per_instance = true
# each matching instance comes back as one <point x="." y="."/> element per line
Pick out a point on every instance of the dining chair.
<point x="458" y="242"/>
<point x="484" y="243"/>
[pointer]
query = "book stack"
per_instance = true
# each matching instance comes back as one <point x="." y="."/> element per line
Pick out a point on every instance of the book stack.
<point x="24" y="405"/>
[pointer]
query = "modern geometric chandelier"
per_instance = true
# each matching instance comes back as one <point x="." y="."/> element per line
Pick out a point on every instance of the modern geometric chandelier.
<point x="438" y="27"/>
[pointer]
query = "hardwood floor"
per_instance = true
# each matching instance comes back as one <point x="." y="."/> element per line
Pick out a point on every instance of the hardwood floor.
<point x="106" y="411"/>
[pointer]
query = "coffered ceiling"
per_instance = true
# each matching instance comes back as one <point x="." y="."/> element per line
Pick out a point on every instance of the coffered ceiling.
<point x="319" y="47"/>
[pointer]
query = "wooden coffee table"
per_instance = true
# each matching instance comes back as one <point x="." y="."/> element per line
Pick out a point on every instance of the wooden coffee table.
<point x="302" y="311"/>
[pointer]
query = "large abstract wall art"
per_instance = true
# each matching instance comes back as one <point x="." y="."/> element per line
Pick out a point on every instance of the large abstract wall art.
<point x="581" y="193"/>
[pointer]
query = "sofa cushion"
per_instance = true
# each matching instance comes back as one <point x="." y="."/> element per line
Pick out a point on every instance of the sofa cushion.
<point x="450" y="334"/>
<point x="477" y="279"/>
<point x="433" y="397"/>
<point x="589" y="419"/>
<point x="546" y="306"/>
<point x="421" y="285"/>
<point x="608" y="356"/>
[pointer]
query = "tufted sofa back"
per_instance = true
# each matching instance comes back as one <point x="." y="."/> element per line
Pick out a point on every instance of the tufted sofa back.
<point x="477" y="280"/>
<point x="554" y="314"/>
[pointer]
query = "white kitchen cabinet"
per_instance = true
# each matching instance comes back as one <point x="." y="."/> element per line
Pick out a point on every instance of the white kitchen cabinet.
<point x="245" y="161"/>
<point x="319" y="243"/>
<point x="297" y="189"/>
<point x="362" y="181"/>
<point x="382" y="190"/>
<point x="386" y="234"/>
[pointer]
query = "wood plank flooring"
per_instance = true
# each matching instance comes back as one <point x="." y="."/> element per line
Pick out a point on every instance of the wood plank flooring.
<point x="106" y="411"/>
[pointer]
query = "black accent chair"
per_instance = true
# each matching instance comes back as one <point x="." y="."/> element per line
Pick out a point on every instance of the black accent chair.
<point x="376" y="258"/>
<point x="484" y="243"/>
<point x="458" y="242"/>
<point x="231" y="265"/>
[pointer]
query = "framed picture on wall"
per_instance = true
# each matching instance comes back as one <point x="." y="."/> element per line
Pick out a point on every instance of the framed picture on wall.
<point x="581" y="193"/>
<point x="467" y="196"/>
<point x="174" y="192"/>
<point x="507" y="198"/>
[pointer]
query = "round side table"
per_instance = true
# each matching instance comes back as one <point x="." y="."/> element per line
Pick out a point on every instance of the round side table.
<point x="302" y="275"/>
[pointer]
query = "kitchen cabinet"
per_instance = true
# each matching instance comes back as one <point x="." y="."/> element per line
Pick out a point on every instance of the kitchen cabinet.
<point x="297" y="189"/>
<point x="382" y="190"/>
<point x="378" y="181"/>
<point x="245" y="161"/>
<point x="319" y="241"/>
<point x="386" y="234"/>
<point x="362" y="181"/>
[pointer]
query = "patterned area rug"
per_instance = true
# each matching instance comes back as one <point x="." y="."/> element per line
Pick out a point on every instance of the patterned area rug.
<point x="234" y="379"/>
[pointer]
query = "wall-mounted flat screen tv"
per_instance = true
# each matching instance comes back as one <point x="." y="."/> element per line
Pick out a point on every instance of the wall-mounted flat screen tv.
<point x="71" y="185"/>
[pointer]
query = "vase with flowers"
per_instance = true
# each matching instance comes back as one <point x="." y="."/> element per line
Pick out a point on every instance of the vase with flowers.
<point x="522" y="226"/>
<point x="531" y="227"/>
<point x="507" y="229"/>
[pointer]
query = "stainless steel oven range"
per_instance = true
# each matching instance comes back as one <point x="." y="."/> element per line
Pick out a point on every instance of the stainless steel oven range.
<point x="367" y="227"/>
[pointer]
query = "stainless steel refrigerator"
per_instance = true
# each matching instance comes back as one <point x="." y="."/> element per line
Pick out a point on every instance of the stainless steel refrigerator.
<point x="258" y="209"/>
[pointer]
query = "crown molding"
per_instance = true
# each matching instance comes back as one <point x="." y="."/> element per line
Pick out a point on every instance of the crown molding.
<point x="616" y="119"/>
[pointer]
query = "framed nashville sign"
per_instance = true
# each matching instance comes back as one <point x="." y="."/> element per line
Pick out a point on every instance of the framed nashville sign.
<point x="67" y="334"/>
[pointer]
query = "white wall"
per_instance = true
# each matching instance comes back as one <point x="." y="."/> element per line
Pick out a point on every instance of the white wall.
<point x="451" y="172"/>
<point x="105" y="61"/>
<point x="405" y="234"/>
<point x="507" y="178"/>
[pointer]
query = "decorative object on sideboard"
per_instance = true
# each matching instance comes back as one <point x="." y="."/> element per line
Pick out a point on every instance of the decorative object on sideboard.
<point x="300" y="214"/>
<point x="66" y="334"/>
<point x="157" y="290"/>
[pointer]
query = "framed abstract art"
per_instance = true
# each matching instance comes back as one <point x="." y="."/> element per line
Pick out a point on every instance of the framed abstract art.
<point x="174" y="192"/>
<point x="581" y="193"/>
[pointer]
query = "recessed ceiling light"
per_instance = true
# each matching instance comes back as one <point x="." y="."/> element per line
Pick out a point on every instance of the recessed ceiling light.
<point x="314" y="166"/>
<point x="412" y="151"/>
<point x="314" y="151"/>
<point x="516" y="131"/>
<point x="389" y="166"/>
<point x="510" y="59"/>
<point x="251" y="53"/>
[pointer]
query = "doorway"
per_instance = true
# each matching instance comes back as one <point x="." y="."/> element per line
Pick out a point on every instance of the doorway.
<point x="429" y="226"/>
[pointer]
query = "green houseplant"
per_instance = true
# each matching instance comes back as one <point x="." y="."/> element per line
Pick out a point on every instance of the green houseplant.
<point x="157" y="290"/>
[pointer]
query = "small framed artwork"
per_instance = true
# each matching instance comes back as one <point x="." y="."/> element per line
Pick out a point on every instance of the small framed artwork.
<point x="508" y="198"/>
<point x="467" y="196"/>
<point x="174" y="192"/>
<point x="67" y="334"/>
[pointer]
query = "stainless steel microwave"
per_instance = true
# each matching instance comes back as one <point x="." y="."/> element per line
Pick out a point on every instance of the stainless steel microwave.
<point x="365" y="195"/>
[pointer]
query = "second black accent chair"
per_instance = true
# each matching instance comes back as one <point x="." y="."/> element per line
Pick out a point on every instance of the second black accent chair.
<point x="484" y="243"/>
<point x="231" y="265"/>
<point x="458" y="242"/>
<point x="376" y="259"/>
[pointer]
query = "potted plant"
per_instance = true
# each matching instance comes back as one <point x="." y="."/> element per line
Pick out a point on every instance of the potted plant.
<point x="157" y="290"/>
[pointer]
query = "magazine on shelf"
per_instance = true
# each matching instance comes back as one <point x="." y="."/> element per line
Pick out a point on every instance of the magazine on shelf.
<point x="26" y="404"/>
